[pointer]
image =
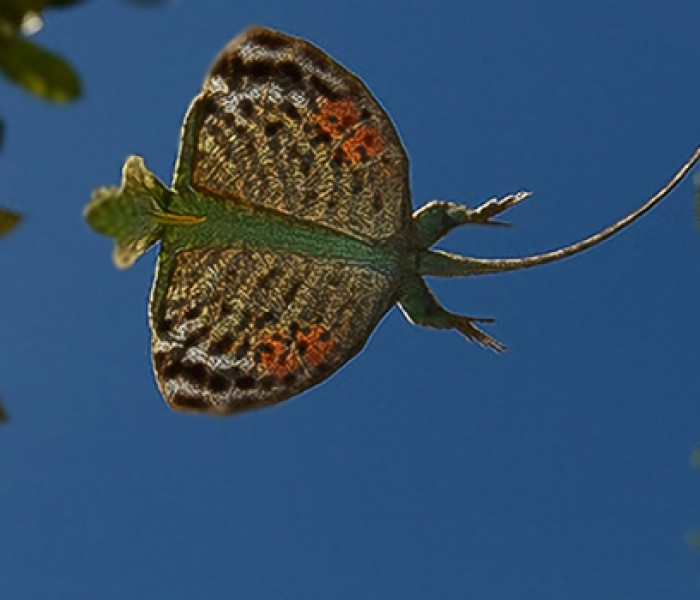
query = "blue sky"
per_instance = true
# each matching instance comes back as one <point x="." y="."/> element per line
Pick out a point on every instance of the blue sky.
<point x="428" y="467"/>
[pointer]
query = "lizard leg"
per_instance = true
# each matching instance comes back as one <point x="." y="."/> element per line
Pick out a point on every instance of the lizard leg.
<point x="437" y="218"/>
<point x="422" y="308"/>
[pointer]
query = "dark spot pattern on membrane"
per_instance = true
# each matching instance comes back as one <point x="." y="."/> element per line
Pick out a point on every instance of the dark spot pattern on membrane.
<point x="188" y="401"/>
<point x="242" y="350"/>
<point x="263" y="319"/>
<point x="289" y="109"/>
<point x="268" y="39"/>
<point x="196" y="336"/>
<point x="223" y="345"/>
<point x="246" y="107"/>
<point x="260" y="70"/>
<point x="264" y="347"/>
<point x="246" y="382"/>
<point x="322" y="88"/>
<point x="217" y="383"/>
<point x="266" y="382"/>
<point x="272" y="128"/>
<point x="174" y="369"/>
<point x="323" y="367"/>
<point x="290" y="71"/>
<point x="193" y="312"/>
<point x="159" y="359"/>
<point x="209" y="105"/>
<point x="195" y="373"/>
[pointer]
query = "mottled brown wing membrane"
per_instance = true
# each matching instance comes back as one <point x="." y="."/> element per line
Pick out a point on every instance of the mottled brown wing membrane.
<point x="281" y="125"/>
<point x="242" y="328"/>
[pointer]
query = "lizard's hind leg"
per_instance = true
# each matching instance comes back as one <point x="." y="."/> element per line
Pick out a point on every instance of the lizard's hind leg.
<point x="422" y="308"/>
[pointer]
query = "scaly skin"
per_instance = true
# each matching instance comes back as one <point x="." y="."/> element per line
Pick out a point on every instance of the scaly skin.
<point x="288" y="233"/>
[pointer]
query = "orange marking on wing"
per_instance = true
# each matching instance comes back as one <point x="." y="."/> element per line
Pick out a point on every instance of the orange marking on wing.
<point x="336" y="116"/>
<point x="316" y="343"/>
<point x="278" y="359"/>
<point x="364" y="142"/>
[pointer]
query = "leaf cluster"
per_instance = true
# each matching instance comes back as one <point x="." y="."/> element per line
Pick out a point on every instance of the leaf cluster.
<point x="8" y="220"/>
<point x="39" y="71"/>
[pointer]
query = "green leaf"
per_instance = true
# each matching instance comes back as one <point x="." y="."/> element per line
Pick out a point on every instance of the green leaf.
<point x="14" y="11"/>
<point x="7" y="221"/>
<point x="38" y="71"/>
